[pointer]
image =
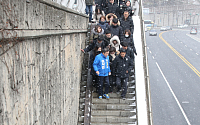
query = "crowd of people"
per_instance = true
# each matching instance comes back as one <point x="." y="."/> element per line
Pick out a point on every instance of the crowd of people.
<point x="112" y="49"/>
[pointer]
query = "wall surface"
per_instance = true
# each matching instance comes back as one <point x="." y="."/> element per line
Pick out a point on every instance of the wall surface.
<point x="40" y="62"/>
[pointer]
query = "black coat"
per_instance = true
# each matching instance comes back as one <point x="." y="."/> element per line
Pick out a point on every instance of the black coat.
<point x="130" y="53"/>
<point x="121" y="65"/>
<point x="127" y="24"/>
<point x="95" y="44"/>
<point x="127" y="8"/>
<point x="116" y="30"/>
<point x="130" y="42"/>
<point x="112" y="8"/>
<point x="106" y="40"/>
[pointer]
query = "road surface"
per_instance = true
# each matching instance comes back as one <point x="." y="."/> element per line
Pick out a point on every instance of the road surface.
<point x="174" y="71"/>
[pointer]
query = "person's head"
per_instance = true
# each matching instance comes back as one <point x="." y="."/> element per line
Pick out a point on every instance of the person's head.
<point x="128" y="3"/>
<point x="122" y="52"/>
<point x="98" y="29"/>
<point x="114" y="22"/>
<point x="111" y="1"/>
<point x="108" y="33"/>
<point x="102" y="18"/>
<point x="124" y="45"/>
<point x="100" y="38"/>
<point x="105" y="52"/>
<point x="126" y="14"/>
<point x="114" y="42"/>
<point x="127" y="33"/>
<point x="112" y="50"/>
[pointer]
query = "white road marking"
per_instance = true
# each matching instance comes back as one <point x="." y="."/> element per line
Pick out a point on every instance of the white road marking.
<point x="191" y="49"/>
<point x="185" y="102"/>
<point x="153" y="57"/>
<point x="149" y="51"/>
<point x="188" y="122"/>
<point x="185" y="45"/>
<point x="194" y="37"/>
<point x="197" y="54"/>
<point x="147" y="47"/>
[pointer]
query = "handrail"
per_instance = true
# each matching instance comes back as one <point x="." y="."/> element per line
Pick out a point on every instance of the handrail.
<point x="146" y="71"/>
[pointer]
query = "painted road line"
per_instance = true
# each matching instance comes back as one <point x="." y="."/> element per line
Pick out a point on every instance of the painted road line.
<point x="179" y="55"/>
<point x="194" y="37"/>
<point x="188" y="122"/>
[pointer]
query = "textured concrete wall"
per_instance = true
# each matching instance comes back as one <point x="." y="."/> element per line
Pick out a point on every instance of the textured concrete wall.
<point x="40" y="73"/>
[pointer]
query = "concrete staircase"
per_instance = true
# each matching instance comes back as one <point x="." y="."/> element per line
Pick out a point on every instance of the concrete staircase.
<point x="115" y="111"/>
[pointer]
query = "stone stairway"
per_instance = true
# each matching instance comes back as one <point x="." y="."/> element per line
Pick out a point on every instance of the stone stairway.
<point x="115" y="111"/>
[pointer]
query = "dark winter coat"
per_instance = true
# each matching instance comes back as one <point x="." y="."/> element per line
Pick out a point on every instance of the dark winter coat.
<point x="128" y="40"/>
<point x="89" y="2"/>
<point x="103" y="25"/>
<point x="99" y="3"/>
<point x="112" y="8"/>
<point x="127" y="8"/>
<point x="95" y="44"/>
<point x="116" y="30"/>
<point x="106" y="40"/>
<point x="127" y="24"/>
<point x="121" y="65"/>
<point x="130" y="53"/>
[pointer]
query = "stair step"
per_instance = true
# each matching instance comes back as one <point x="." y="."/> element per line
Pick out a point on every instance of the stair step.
<point x="80" y="123"/>
<point x="131" y="123"/>
<point x="112" y="101"/>
<point x="81" y="113"/>
<point x="121" y="113"/>
<point x="115" y="95"/>
<point x="113" y="119"/>
<point x="113" y="106"/>
<point x="81" y="118"/>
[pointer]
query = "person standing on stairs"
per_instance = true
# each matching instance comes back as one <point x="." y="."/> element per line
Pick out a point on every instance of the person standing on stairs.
<point x="122" y="66"/>
<point x="101" y="66"/>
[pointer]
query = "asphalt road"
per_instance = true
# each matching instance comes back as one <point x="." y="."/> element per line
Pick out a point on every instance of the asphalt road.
<point x="174" y="71"/>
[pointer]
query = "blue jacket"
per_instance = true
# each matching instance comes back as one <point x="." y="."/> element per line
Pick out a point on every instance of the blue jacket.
<point x="102" y="64"/>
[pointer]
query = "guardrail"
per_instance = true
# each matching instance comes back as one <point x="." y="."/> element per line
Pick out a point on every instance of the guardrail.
<point x="142" y="76"/>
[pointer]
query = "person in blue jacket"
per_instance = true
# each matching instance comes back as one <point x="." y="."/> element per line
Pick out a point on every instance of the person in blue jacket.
<point x="101" y="66"/>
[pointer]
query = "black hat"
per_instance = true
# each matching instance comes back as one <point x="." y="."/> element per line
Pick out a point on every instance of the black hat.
<point x="100" y="37"/>
<point x="115" y="20"/>
<point x="122" y="50"/>
<point x="125" y="44"/>
<point x="107" y="31"/>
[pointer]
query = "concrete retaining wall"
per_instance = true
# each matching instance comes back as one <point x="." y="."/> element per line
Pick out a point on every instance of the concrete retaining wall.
<point x="40" y="62"/>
